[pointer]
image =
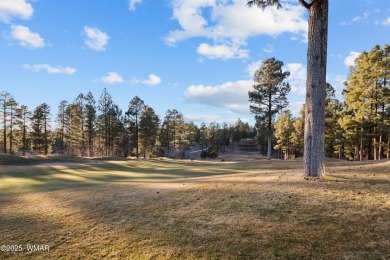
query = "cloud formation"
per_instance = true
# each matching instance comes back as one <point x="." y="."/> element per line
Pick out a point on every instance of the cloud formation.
<point x="95" y="39"/>
<point x="269" y="48"/>
<point x="202" y="118"/>
<point x="386" y="22"/>
<point x="15" y="8"/>
<point x="50" y="69"/>
<point x="230" y="95"/>
<point x="112" y="78"/>
<point x="153" y="80"/>
<point x="297" y="78"/>
<point x="25" y="37"/>
<point x="225" y="25"/>
<point x="234" y="95"/>
<point x="223" y="51"/>
<point x="133" y="3"/>
<point x="350" y="59"/>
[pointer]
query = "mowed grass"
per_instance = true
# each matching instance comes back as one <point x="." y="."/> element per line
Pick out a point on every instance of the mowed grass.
<point x="164" y="209"/>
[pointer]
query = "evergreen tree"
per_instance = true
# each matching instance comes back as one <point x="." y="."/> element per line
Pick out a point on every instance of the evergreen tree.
<point x="136" y="107"/>
<point x="40" y="128"/>
<point x="333" y="130"/>
<point x="148" y="130"/>
<point x="5" y="97"/>
<point x="12" y="104"/>
<point x="90" y="121"/>
<point x="297" y="135"/>
<point x="62" y="123"/>
<point x="203" y="136"/>
<point x="173" y="129"/>
<point x="22" y="117"/>
<point x="283" y="133"/>
<point x="366" y="99"/>
<point x="103" y="121"/>
<point x="269" y="95"/>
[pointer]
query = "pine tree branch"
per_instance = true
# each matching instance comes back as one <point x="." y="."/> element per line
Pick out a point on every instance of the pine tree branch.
<point x="306" y="4"/>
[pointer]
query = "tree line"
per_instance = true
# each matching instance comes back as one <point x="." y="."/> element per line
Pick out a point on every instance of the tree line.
<point x="89" y="127"/>
<point x="357" y="128"/>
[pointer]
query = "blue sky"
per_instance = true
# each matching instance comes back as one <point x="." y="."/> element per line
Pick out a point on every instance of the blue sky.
<point x="197" y="56"/>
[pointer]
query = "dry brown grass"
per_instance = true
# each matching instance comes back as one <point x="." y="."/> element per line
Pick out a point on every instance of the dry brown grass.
<point x="253" y="209"/>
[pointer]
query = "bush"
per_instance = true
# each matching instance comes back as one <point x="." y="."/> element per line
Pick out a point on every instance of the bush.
<point x="213" y="154"/>
<point x="204" y="154"/>
<point x="210" y="153"/>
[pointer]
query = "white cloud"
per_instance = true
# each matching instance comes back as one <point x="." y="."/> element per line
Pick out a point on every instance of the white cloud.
<point x="295" y="108"/>
<point x="224" y="23"/>
<point x="25" y="37"/>
<point x="350" y="59"/>
<point x="50" y="69"/>
<point x="152" y="80"/>
<point x="234" y="95"/>
<point x="133" y="3"/>
<point x="202" y="118"/>
<point x="365" y="15"/>
<point x="96" y="39"/>
<point x="386" y="22"/>
<point x="297" y="78"/>
<point x="112" y="78"/>
<point x="223" y="51"/>
<point x="230" y="95"/>
<point x="251" y="69"/>
<point x="15" y="8"/>
<point x="269" y="48"/>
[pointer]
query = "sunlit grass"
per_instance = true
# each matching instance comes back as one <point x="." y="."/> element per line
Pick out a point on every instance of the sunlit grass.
<point x="164" y="209"/>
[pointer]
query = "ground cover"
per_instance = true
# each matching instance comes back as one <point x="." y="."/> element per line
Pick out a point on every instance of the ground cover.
<point x="166" y="209"/>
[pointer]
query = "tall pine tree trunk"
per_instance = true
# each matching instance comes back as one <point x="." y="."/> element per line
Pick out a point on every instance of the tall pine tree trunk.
<point x="314" y="151"/>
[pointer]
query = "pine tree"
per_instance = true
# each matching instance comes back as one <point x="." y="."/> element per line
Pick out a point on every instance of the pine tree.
<point x="269" y="95"/>
<point x="22" y="117"/>
<point x="148" y="130"/>
<point x="4" y="103"/>
<point x="103" y="120"/>
<point x="366" y="99"/>
<point x="283" y="132"/>
<point x="62" y="122"/>
<point x="173" y="125"/>
<point x="41" y="128"/>
<point x="333" y="110"/>
<point x="297" y="135"/>
<point x="90" y="121"/>
<point x="136" y="107"/>
<point x="12" y="104"/>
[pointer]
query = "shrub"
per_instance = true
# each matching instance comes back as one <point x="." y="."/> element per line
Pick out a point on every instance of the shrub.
<point x="204" y="154"/>
<point x="213" y="154"/>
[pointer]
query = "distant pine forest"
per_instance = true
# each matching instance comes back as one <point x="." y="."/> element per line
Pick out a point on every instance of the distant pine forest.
<point x="357" y="128"/>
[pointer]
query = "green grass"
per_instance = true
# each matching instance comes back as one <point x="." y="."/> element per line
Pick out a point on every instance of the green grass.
<point x="165" y="209"/>
<point x="9" y="159"/>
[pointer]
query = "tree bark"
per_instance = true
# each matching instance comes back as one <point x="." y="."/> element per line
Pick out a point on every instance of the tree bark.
<point x="314" y="151"/>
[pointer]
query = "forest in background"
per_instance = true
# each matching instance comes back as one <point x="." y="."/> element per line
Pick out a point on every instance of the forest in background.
<point x="357" y="128"/>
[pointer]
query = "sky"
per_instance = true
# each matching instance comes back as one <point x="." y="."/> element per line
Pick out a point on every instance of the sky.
<point x="197" y="56"/>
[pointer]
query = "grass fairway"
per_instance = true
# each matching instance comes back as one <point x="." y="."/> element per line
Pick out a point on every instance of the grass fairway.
<point x="247" y="209"/>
